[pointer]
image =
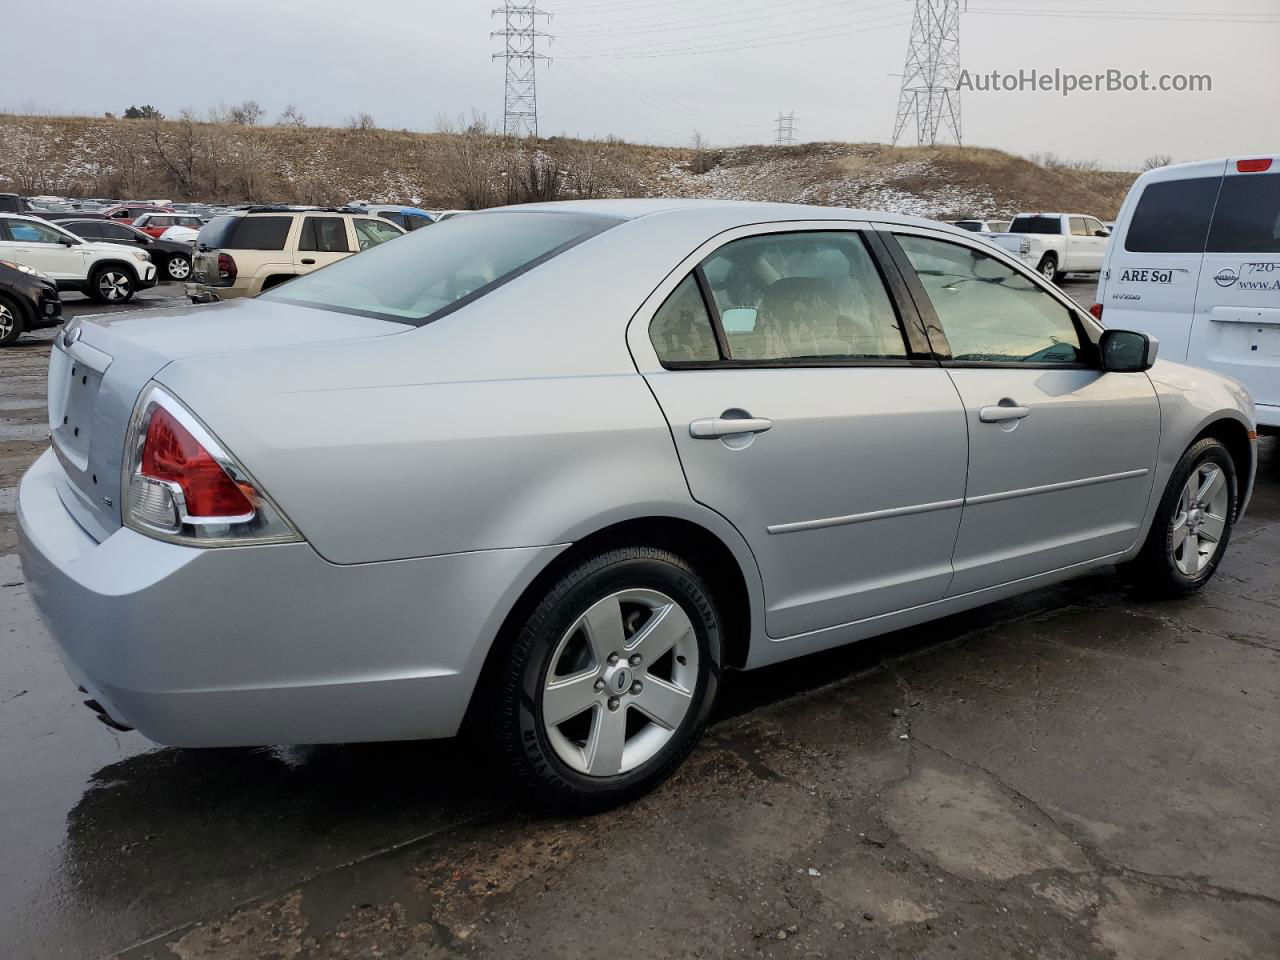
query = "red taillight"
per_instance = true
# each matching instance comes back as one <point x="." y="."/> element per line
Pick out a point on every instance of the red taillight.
<point x="1096" y="310"/>
<point x="171" y="454"/>
<point x="1261" y="165"/>
<point x="226" y="267"/>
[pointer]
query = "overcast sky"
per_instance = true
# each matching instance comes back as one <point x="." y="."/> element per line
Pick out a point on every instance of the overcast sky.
<point x="736" y="64"/>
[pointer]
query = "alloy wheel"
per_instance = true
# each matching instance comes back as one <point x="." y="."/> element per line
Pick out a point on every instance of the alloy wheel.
<point x="179" y="268"/>
<point x="114" y="285"/>
<point x="620" y="683"/>
<point x="1200" y="519"/>
<point x="1049" y="270"/>
<point x="6" y="321"/>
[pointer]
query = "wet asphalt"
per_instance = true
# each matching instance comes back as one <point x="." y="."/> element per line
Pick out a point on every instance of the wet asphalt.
<point x="1075" y="773"/>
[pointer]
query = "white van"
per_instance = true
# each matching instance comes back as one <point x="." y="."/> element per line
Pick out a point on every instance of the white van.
<point x="1195" y="261"/>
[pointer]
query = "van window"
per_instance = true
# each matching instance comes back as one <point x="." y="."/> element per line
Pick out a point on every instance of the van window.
<point x="1248" y="216"/>
<point x="1173" y="216"/>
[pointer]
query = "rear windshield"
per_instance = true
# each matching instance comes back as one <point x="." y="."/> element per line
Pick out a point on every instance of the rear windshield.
<point x="429" y="273"/>
<point x="244" y="233"/>
<point x="1037" y="225"/>
<point x="1248" y="216"/>
<point x="1173" y="216"/>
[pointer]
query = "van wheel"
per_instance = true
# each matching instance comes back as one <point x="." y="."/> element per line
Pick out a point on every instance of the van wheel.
<point x="1049" y="268"/>
<point x="112" y="285"/>
<point x="10" y="321"/>
<point x="611" y="681"/>
<point x="1192" y="526"/>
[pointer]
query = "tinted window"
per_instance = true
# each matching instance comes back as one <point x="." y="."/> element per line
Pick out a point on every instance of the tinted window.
<point x="431" y="272"/>
<point x="116" y="231"/>
<point x="1051" y="225"/>
<point x="1248" y="216"/>
<point x="370" y="233"/>
<point x="991" y="312"/>
<point x="974" y="226"/>
<point x="91" y="229"/>
<point x="1173" y="216"/>
<point x="392" y="216"/>
<point x="215" y="233"/>
<point x="324" y="235"/>
<point x="415" y="221"/>
<point x="259" y="233"/>
<point x="792" y="296"/>
<point x="681" y="329"/>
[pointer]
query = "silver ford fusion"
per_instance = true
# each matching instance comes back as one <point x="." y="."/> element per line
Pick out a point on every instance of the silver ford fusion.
<point x="553" y="468"/>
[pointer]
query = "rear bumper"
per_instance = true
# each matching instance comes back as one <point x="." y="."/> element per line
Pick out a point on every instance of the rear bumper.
<point x="212" y="293"/>
<point x="262" y="645"/>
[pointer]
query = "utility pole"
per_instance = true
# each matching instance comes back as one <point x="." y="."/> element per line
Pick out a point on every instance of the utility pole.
<point x="521" y="33"/>
<point x="930" y="83"/>
<point x="786" y="132"/>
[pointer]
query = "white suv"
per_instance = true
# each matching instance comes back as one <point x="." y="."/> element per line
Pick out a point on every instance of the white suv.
<point x="106" y="272"/>
<point x="1195" y="261"/>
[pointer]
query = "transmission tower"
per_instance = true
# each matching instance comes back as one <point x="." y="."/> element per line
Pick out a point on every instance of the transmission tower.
<point x="786" y="133"/>
<point x="930" y="83"/>
<point x="521" y="33"/>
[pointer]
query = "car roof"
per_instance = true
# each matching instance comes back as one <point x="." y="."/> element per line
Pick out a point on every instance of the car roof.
<point x="746" y="211"/>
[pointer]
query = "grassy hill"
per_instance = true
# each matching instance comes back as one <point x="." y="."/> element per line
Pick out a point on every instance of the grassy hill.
<point x="470" y="167"/>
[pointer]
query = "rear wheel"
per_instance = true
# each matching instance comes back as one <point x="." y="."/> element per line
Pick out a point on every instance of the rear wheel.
<point x="612" y="679"/>
<point x="10" y="321"/>
<point x="1049" y="268"/>
<point x="1192" y="525"/>
<point x="112" y="285"/>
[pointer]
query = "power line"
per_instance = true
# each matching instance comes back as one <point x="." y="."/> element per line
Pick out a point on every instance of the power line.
<point x="711" y="21"/>
<point x="521" y="33"/>
<point x="930" y="93"/>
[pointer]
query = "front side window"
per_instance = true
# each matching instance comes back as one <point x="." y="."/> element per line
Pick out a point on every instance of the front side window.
<point x="24" y="231"/>
<point x="681" y="330"/>
<point x="370" y="233"/>
<point x="432" y="272"/>
<point x="989" y="311"/>
<point x="1248" y="216"/>
<point x="1079" y="228"/>
<point x="324" y="235"/>
<point x="803" y="296"/>
<point x="1173" y="216"/>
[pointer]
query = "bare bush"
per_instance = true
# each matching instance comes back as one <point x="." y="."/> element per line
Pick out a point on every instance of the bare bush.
<point x="246" y="114"/>
<point x="361" y="122"/>
<point x="292" y="117"/>
<point x="1156" y="161"/>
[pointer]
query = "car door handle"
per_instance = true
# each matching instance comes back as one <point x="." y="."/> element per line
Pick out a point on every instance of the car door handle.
<point x="713" y="428"/>
<point x="1003" y="412"/>
<point x="308" y="260"/>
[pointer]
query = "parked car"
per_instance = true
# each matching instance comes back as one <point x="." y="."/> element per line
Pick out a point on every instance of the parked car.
<point x="1195" y="261"/>
<point x="127" y="213"/>
<point x="411" y="218"/>
<point x="554" y="467"/>
<point x="242" y="254"/>
<point x="172" y="258"/>
<point x="28" y="300"/>
<point x="185" y="235"/>
<point x="155" y="224"/>
<point x="982" y="226"/>
<point x="12" y="203"/>
<point x="102" y="271"/>
<point x="1057" y="243"/>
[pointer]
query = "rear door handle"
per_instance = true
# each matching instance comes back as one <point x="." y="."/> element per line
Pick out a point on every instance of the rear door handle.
<point x="714" y="428"/>
<point x="1003" y="412"/>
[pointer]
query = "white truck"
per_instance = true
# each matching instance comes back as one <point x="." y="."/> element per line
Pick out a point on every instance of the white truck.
<point x="1056" y="243"/>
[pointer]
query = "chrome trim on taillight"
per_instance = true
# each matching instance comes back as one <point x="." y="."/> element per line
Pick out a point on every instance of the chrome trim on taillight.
<point x="143" y="504"/>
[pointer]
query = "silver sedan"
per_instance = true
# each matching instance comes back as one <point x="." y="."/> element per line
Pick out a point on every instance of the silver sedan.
<point x="554" y="468"/>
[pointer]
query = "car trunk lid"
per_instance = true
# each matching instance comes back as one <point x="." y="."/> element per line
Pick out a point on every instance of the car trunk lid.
<point x="99" y="365"/>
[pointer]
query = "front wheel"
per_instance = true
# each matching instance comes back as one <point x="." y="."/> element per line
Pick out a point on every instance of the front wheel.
<point x="612" y="679"/>
<point x="112" y="285"/>
<point x="1049" y="268"/>
<point x="1193" y="523"/>
<point x="10" y="322"/>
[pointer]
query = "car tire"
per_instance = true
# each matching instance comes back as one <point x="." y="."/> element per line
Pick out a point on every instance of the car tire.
<point x="1049" y="268"/>
<point x="1192" y="525"/>
<point x="611" y="680"/>
<point x="178" y="268"/>
<point x="11" y="325"/>
<point x="112" y="284"/>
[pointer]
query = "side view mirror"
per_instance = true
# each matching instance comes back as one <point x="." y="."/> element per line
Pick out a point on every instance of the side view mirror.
<point x="1124" y="351"/>
<point x="66" y="241"/>
<point x="1102" y="233"/>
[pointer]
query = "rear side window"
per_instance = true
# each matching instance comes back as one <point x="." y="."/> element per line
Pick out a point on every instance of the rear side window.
<point x="414" y="221"/>
<point x="1248" y="215"/>
<point x="90" y="229"/>
<point x="681" y="329"/>
<point x="259" y="233"/>
<point x="1173" y="216"/>
<point x="432" y="272"/>
<point x="324" y="235"/>
<point x="1051" y="225"/>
